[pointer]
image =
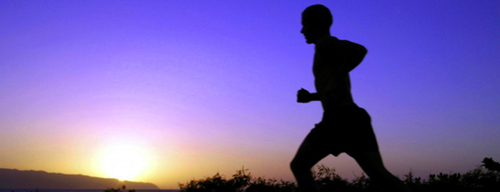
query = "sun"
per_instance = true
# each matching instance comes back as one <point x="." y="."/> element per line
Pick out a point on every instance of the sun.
<point x="123" y="161"/>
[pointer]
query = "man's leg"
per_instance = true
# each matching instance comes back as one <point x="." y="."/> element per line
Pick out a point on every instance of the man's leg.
<point x="372" y="165"/>
<point x="307" y="156"/>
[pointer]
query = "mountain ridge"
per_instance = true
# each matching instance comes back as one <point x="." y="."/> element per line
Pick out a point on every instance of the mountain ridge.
<point x="36" y="179"/>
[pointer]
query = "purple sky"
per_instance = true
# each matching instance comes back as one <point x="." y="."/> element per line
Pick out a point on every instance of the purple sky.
<point x="207" y="86"/>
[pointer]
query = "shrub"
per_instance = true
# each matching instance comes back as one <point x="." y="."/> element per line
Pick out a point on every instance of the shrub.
<point x="119" y="189"/>
<point x="218" y="183"/>
<point x="485" y="178"/>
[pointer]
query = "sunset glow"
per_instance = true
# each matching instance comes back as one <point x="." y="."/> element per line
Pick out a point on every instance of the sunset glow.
<point x="124" y="161"/>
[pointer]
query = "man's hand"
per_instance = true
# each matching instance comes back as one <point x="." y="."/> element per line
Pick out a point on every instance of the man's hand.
<point x="303" y="96"/>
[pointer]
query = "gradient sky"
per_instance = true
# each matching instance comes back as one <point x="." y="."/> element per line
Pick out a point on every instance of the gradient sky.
<point x="199" y="87"/>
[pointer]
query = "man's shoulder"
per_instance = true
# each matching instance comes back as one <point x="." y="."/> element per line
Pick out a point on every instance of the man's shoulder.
<point x="327" y="41"/>
<point x="345" y="43"/>
<point x="333" y="42"/>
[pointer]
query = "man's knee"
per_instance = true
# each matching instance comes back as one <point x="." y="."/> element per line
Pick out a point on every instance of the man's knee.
<point x="299" y="167"/>
<point x="295" y="166"/>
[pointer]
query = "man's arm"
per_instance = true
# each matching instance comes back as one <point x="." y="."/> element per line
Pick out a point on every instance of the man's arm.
<point x="353" y="54"/>
<point x="303" y="96"/>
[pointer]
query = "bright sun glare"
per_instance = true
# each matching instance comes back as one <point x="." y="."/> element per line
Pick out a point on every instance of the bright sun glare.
<point x="123" y="161"/>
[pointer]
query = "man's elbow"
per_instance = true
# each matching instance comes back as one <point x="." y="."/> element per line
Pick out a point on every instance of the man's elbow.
<point x="363" y="51"/>
<point x="360" y="54"/>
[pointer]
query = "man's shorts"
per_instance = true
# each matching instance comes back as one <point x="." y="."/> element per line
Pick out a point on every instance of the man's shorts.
<point x="347" y="129"/>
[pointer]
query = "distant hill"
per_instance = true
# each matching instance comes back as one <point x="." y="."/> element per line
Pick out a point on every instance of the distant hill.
<point x="16" y="179"/>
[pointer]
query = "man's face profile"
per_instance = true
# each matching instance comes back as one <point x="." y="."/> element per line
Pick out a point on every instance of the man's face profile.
<point x="308" y="31"/>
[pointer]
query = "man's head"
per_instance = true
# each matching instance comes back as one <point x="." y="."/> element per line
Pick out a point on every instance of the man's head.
<point x="316" y="22"/>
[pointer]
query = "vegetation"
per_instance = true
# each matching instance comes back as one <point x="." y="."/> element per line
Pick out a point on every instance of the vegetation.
<point x="218" y="183"/>
<point x="119" y="189"/>
<point x="484" y="178"/>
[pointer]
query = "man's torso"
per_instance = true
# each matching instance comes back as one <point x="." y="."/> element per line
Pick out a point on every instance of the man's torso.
<point x="327" y="58"/>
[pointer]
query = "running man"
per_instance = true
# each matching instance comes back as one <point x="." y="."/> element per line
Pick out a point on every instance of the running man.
<point x="344" y="128"/>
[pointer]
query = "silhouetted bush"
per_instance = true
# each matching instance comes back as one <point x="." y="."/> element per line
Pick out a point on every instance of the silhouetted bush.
<point x="218" y="183"/>
<point x="119" y="189"/>
<point x="271" y="185"/>
<point x="328" y="180"/>
<point x="485" y="178"/>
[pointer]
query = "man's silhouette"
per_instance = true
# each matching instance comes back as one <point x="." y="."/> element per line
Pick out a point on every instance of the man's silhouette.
<point x="344" y="127"/>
